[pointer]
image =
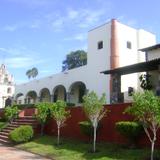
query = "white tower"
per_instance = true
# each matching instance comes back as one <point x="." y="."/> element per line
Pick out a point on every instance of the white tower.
<point x="6" y="85"/>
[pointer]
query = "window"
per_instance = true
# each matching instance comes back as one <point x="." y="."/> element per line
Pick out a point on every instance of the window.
<point x="9" y="90"/>
<point x="129" y="45"/>
<point x="100" y="45"/>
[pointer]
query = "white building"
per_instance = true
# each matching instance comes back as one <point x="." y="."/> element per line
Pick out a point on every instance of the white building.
<point x="153" y="56"/>
<point x="110" y="45"/>
<point x="6" y="86"/>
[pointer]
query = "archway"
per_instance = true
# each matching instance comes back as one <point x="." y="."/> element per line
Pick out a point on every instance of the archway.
<point x="8" y="102"/>
<point x="19" y="98"/>
<point x="31" y="97"/>
<point x="45" y="95"/>
<point x="59" y="93"/>
<point x="77" y="91"/>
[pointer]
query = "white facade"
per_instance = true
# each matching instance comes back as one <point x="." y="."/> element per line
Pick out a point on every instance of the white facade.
<point x="98" y="60"/>
<point x="7" y="88"/>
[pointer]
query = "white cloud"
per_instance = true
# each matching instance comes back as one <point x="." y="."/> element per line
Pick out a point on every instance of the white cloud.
<point x="10" y="28"/>
<point x="33" y="3"/>
<point x="72" y="14"/>
<point x="20" y="58"/>
<point x="78" y="37"/>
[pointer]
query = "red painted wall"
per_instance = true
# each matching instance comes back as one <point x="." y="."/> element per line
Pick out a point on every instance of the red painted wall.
<point x="107" y="133"/>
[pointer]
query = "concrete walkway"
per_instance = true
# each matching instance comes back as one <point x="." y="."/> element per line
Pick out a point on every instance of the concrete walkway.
<point x="11" y="153"/>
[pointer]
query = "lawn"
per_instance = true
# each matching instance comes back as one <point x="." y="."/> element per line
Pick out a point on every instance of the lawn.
<point x="76" y="150"/>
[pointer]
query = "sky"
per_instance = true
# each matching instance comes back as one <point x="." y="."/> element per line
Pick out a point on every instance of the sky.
<point x="39" y="33"/>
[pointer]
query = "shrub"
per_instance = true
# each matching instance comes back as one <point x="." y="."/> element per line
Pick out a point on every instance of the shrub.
<point x="21" y="134"/>
<point x="11" y="112"/>
<point x="23" y="106"/>
<point x="131" y="130"/>
<point x="70" y="104"/>
<point x="87" y="128"/>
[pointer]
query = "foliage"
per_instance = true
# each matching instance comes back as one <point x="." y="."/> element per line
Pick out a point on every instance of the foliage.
<point x="145" y="81"/>
<point x="21" y="134"/>
<point x="87" y="128"/>
<point x="74" y="59"/>
<point x="78" y="150"/>
<point x="3" y="125"/>
<point x="43" y="111"/>
<point x="131" y="130"/>
<point x="59" y="113"/>
<point x="69" y="104"/>
<point x="146" y="109"/>
<point x="32" y="73"/>
<point x="22" y="106"/>
<point x="94" y="109"/>
<point x="11" y="112"/>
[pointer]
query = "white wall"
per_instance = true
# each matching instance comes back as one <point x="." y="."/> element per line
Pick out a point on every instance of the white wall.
<point x="139" y="39"/>
<point x="153" y="54"/>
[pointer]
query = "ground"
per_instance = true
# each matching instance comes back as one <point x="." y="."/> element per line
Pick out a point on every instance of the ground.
<point x="74" y="150"/>
<point x="11" y="153"/>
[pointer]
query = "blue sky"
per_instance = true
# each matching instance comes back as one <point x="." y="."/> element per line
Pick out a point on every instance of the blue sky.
<point x="39" y="33"/>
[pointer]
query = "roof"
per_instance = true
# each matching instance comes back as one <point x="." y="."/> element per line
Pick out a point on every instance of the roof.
<point x="135" y="68"/>
<point x="150" y="48"/>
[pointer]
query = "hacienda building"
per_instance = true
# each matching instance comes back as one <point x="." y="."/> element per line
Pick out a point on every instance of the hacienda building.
<point x="110" y="46"/>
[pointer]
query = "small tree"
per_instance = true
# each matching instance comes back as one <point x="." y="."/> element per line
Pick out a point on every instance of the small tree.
<point x="146" y="109"/>
<point x="11" y="112"/>
<point x="59" y="113"/>
<point x="94" y="109"/>
<point x="42" y="114"/>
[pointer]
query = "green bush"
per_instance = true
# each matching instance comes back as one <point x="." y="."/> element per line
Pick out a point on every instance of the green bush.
<point x="70" y="104"/>
<point x="131" y="130"/>
<point x="23" y="106"/>
<point x="2" y="125"/>
<point x="21" y="134"/>
<point x="87" y="128"/>
<point x="11" y="112"/>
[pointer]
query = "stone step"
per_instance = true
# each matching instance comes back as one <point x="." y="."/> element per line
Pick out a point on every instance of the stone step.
<point x="5" y="141"/>
<point x="4" y="133"/>
<point x="27" y="120"/>
<point x="4" y="137"/>
<point x="26" y="117"/>
<point x="7" y="130"/>
<point x="9" y="127"/>
<point x="23" y="123"/>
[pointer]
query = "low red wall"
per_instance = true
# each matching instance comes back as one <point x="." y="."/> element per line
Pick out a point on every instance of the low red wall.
<point x="27" y="112"/>
<point x="107" y="133"/>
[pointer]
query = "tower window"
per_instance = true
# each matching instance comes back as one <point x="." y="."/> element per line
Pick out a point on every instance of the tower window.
<point x="129" y="45"/>
<point x="9" y="90"/>
<point x="100" y="45"/>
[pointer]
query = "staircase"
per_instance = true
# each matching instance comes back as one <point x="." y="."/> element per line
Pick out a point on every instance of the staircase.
<point x="26" y="120"/>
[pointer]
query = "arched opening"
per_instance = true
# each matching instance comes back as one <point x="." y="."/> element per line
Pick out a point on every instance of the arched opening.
<point x="8" y="102"/>
<point x="31" y="97"/>
<point x="45" y="95"/>
<point x="59" y="93"/>
<point x="77" y="91"/>
<point x="19" y="98"/>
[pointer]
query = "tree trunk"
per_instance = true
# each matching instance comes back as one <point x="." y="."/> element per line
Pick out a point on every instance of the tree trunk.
<point x="94" y="138"/>
<point x="58" y="134"/>
<point x="42" y="128"/>
<point x="152" y="149"/>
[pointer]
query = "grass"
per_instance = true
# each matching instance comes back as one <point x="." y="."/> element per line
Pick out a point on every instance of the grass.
<point x="2" y="125"/>
<point x="76" y="150"/>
